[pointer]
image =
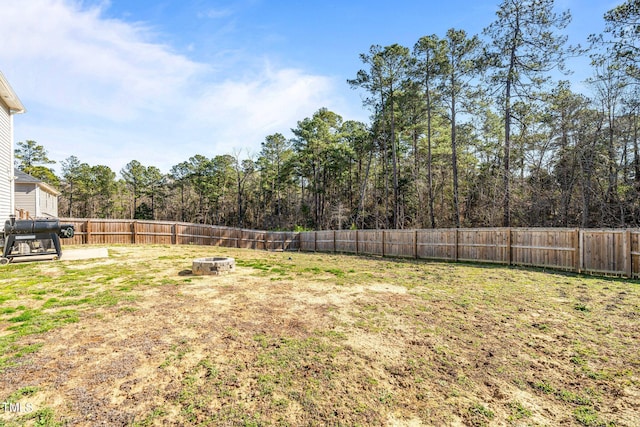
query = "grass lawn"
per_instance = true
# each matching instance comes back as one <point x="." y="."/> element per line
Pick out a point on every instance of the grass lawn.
<point x="313" y="339"/>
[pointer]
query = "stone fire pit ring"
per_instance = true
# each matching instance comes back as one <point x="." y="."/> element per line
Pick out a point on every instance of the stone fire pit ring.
<point x="213" y="266"/>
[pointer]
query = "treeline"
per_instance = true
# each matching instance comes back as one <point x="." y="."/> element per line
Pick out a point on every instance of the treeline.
<point x="465" y="130"/>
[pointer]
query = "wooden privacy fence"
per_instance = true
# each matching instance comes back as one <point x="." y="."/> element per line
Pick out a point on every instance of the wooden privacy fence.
<point x="119" y="231"/>
<point x="606" y="251"/>
<point x="602" y="251"/>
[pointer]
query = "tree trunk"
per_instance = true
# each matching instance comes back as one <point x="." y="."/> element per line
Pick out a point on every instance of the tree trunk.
<point x="363" y="187"/>
<point x="71" y="197"/>
<point x="506" y="220"/>
<point x="394" y="161"/>
<point x="454" y="156"/>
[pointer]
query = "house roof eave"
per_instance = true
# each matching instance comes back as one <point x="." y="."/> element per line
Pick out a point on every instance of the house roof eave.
<point x="23" y="178"/>
<point x="48" y="188"/>
<point x="9" y="97"/>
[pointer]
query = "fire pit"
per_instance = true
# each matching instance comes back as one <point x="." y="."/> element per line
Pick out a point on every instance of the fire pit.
<point x="213" y="266"/>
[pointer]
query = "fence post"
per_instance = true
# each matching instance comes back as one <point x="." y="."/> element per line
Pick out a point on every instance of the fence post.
<point x="383" y="242"/>
<point x="626" y="244"/>
<point x="334" y="241"/>
<point x="415" y="243"/>
<point x="581" y="251"/>
<point x="509" y="255"/>
<point x="87" y="235"/>
<point x="576" y="253"/>
<point x="357" y="243"/>
<point x="455" y="254"/>
<point x="134" y="232"/>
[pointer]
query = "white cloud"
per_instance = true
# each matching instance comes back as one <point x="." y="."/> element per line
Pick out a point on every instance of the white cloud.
<point x="70" y="58"/>
<point x="94" y="87"/>
<point x="260" y="105"/>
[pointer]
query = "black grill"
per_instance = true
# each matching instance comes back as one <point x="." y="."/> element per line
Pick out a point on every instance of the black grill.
<point x="33" y="237"/>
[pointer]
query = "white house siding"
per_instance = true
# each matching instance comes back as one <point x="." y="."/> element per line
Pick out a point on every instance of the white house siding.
<point x="35" y="201"/>
<point x="6" y="165"/>
<point x="48" y="204"/>
<point x="26" y="198"/>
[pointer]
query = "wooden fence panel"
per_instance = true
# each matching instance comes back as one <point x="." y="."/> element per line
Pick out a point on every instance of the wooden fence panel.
<point x="110" y="232"/>
<point x="370" y="242"/>
<point x="346" y="241"/>
<point x="293" y="241"/>
<point x="263" y="240"/>
<point x="325" y="241"/>
<point x="281" y="241"/>
<point x="603" y="251"/>
<point x="436" y="244"/>
<point x="226" y="237"/>
<point x="289" y="239"/>
<point x="556" y="248"/>
<point x="634" y="252"/>
<point x="217" y="236"/>
<point x="274" y="241"/>
<point x="153" y="233"/>
<point x="220" y="237"/>
<point x="234" y="237"/>
<point x="482" y="244"/>
<point x="252" y="239"/>
<point x="246" y="239"/>
<point x="193" y="234"/>
<point x="308" y="241"/>
<point x="400" y="243"/>
<point x="266" y="241"/>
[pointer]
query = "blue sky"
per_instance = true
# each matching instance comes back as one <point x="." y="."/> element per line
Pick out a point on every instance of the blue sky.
<point x="162" y="80"/>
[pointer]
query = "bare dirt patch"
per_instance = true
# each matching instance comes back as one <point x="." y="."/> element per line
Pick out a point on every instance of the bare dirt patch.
<point x="308" y="339"/>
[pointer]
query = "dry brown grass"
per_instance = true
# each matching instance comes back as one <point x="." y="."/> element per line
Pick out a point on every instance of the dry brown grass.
<point x="308" y="339"/>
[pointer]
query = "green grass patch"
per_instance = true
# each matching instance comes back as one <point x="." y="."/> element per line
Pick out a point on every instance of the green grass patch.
<point x="581" y="307"/>
<point x="518" y="411"/>
<point x="150" y="418"/>
<point x="42" y="417"/>
<point x="22" y="393"/>
<point x="49" y="290"/>
<point x="8" y="310"/>
<point x="255" y="264"/>
<point x="335" y="271"/>
<point x="544" y="387"/>
<point x="7" y="296"/>
<point x="176" y="353"/>
<point x="571" y="397"/>
<point x="479" y="415"/>
<point x="25" y="316"/>
<point x="588" y="416"/>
